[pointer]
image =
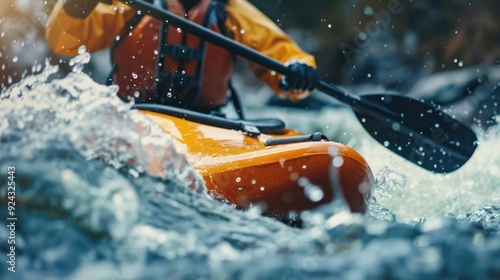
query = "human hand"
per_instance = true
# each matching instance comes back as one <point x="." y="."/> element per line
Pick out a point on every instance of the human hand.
<point x="81" y="8"/>
<point x="300" y="81"/>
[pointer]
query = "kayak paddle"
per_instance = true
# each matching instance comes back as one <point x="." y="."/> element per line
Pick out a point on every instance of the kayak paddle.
<point x="416" y="131"/>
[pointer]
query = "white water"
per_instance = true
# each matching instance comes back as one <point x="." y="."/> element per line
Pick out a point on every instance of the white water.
<point x="412" y="192"/>
<point x="409" y="191"/>
<point x="93" y="211"/>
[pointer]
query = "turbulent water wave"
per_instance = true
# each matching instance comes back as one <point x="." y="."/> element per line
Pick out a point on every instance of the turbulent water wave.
<point x="103" y="193"/>
<point x="408" y="191"/>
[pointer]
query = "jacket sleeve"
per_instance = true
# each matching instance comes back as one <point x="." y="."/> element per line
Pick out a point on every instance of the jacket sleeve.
<point x="66" y="34"/>
<point x="252" y="28"/>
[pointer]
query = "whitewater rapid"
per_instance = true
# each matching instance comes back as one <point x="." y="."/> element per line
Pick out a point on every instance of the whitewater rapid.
<point x="104" y="193"/>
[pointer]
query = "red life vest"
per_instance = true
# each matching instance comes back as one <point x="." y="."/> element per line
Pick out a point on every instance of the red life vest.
<point x="159" y="63"/>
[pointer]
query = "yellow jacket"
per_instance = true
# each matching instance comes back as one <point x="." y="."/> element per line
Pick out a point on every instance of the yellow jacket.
<point x="248" y="25"/>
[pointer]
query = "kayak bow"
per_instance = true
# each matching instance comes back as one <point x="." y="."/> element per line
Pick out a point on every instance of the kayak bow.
<point x="282" y="173"/>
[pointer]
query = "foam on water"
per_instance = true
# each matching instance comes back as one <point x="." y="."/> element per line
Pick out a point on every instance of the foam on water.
<point x="93" y="120"/>
<point x="412" y="192"/>
<point x="104" y="193"/>
<point x="407" y="190"/>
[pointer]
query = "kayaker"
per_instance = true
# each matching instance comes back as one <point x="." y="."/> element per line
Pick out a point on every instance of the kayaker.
<point x="154" y="62"/>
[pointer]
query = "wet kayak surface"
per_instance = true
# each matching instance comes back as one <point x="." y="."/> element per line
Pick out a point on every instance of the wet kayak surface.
<point x="103" y="193"/>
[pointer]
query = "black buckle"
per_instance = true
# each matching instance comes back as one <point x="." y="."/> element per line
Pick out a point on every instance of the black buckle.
<point x="180" y="52"/>
<point x="177" y="80"/>
<point x="250" y="129"/>
<point x="183" y="89"/>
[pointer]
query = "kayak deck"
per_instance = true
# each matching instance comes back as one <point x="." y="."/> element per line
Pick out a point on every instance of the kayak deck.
<point x="281" y="178"/>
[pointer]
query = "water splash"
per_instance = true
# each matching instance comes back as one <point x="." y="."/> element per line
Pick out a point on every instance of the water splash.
<point x="103" y="193"/>
<point x="94" y="120"/>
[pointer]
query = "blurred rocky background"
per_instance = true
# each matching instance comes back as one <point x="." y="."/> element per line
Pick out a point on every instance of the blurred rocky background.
<point x="417" y="37"/>
<point x="445" y="52"/>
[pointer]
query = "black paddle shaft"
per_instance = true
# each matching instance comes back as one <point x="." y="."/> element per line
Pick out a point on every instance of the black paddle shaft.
<point x="412" y="129"/>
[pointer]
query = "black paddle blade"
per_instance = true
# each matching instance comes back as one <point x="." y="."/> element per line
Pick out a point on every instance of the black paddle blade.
<point x="416" y="131"/>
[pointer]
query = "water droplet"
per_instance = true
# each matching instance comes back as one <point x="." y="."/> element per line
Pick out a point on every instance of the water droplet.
<point x="313" y="192"/>
<point x="368" y="10"/>
<point x="82" y="49"/>
<point x="329" y="26"/>
<point x="369" y="75"/>
<point x="134" y="75"/>
<point x="254" y="212"/>
<point x="238" y="179"/>
<point x="179" y="30"/>
<point x="160" y="188"/>
<point x="386" y="143"/>
<point x="338" y="161"/>
<point x="15" y="59"/>
<point x="262" y="188"/>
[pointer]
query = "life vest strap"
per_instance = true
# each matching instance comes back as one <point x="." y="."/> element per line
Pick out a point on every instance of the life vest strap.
<point x="178" y="80"/>
<point x="186" y="89"/>
<point x="180" y="52"/>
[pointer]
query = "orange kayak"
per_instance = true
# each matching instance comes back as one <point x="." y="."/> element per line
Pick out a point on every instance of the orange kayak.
<point x="280" y="170"/>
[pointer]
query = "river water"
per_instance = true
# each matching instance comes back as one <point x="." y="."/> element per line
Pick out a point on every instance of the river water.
<point x="88" y="208"/>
